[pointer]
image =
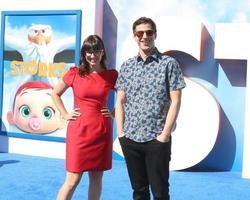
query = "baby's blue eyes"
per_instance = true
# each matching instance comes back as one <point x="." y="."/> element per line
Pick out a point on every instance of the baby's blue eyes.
<point x="47" y="112"/>
<point x="24" y="111"/>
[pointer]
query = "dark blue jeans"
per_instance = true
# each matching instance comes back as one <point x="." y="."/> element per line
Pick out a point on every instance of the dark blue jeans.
<point x="148" y="167"/>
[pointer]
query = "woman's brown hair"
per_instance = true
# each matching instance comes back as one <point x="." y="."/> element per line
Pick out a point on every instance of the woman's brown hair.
<point x="91" y="43"/>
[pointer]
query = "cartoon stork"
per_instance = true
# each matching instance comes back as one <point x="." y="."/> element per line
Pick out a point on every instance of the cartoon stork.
<point x="39" y="45"/>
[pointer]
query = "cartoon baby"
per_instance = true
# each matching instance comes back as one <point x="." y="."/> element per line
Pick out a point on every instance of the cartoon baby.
<point x="33" y="109"/>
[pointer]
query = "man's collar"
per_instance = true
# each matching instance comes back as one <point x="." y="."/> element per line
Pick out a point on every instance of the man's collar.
<point x="155" y="55"/>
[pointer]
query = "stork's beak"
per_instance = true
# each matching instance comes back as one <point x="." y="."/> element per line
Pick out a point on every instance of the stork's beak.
<point x="40" y="39"/>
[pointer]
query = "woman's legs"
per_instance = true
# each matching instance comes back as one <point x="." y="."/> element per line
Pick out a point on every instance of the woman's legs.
<point x="72" y="180"/>
<point x="95" y="185"/>
<point x="69" y="186"/>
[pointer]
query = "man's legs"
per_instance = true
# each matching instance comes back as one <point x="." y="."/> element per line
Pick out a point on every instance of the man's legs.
<point x="135" y="160"/>
<point x="157" y="161"/>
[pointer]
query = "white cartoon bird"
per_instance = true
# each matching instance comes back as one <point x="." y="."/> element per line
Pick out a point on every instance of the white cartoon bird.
<point x="39" y="45"/>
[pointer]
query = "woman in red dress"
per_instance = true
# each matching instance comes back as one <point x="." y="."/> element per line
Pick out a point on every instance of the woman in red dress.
<point x="89" y="132"/>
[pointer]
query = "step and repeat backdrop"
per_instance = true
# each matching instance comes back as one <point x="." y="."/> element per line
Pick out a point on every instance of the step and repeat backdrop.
<point x="37" y="52"/>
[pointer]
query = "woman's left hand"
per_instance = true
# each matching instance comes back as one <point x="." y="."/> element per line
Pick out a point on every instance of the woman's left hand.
<point x="106" y="113"/>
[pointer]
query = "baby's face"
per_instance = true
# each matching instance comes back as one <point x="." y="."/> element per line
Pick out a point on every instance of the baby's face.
<point x="35" y="112"/>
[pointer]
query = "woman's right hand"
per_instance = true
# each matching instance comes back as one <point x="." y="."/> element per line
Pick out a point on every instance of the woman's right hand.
<point x="73" y="115"/>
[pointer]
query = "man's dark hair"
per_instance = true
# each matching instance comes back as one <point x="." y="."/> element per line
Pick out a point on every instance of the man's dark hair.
<point x="144" y="20"/>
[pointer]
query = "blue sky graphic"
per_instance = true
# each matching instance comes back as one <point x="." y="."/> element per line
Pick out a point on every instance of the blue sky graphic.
<point x="60" y="23"/>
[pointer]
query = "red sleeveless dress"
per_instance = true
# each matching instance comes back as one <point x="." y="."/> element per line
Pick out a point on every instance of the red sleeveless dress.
<point x="89" y="138"/>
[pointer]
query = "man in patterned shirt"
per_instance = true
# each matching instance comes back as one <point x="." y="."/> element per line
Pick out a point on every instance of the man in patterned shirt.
<point x="148" y="101"/>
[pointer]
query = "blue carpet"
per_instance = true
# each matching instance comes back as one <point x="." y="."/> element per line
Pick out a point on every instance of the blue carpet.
<point x="37" y="178"/>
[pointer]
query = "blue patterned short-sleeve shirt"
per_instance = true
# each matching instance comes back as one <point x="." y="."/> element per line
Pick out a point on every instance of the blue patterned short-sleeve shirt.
<point x="147" y="85"/>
